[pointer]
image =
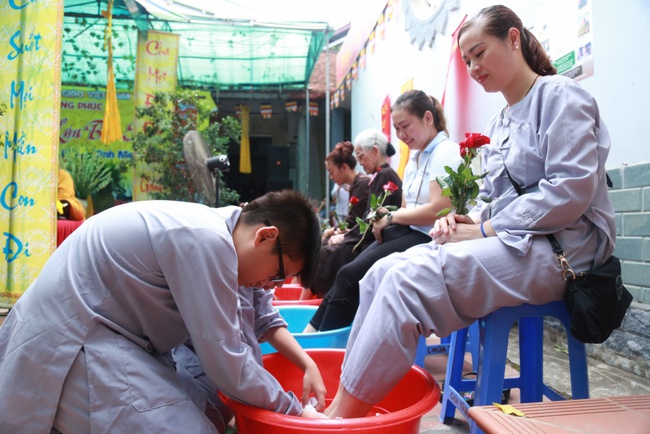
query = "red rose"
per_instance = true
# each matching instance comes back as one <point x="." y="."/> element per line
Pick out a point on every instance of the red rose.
<point x="353" y="200"/>
<point x="461" y="186"/>
<point x="391" y="187"/>
<point x="472" y="140"/>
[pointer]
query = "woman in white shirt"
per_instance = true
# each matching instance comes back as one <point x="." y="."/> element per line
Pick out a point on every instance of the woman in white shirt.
<point x="420" y="123"/>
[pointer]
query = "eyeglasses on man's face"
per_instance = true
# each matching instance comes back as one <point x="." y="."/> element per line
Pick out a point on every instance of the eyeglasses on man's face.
<point x="281" y="277"/>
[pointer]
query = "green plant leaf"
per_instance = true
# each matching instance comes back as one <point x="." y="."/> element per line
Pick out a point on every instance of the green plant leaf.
<point x="373" y="201"/>
<point x="362" y="225"/>
<point x="444" y="181"/>
<point x="89" y="171"/>
<point x="161" y="144"/>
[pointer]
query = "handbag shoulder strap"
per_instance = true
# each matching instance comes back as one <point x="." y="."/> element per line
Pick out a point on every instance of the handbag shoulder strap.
<point x="567" y="271"/>
<point x="517" y="187"/>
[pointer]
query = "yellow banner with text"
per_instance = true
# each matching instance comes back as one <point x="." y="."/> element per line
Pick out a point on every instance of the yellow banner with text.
<point x="82" y="118"/>
<point x="156" y="71"/>
<point x="30" y="88"/>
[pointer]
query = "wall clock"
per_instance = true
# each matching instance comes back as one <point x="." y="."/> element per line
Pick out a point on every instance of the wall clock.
<point x="425" y="18"/>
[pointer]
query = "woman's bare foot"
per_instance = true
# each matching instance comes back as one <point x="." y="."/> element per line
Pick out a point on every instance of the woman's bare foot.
<point x="346" y="406"/>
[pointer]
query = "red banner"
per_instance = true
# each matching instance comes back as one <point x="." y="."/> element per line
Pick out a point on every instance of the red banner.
<point x="385" y="118"/>
<point x="463" y="98"/>
<point x="357" y="38"/>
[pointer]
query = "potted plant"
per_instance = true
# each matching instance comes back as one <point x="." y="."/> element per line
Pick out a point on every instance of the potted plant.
<point x="117" y="191"/>
<point x="89" y="171"/>
<point x="160" y="146"/>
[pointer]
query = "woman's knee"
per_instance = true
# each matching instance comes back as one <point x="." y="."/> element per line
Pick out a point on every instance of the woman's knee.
<point x="347" y="279"/>
<point x="378" y="271"/>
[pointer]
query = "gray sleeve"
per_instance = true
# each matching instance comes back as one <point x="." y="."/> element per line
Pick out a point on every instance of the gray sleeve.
<point x="555" y="154"/>
<point x="266" y="315"/>
<point x="200" y="267"/>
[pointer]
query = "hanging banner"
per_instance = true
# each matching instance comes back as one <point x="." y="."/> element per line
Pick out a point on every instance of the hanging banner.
<point x="266" y="110"/>
<point x="313" y="108"/>
<point x="30" y="88"/>
<point x="362" y="58"/>
<point x="381" y="26"/>
<point x="459" y="94"/>
<point x="82" y="124"/>
<point x="403" y="149"/>
<point x="291" y="106"/>
<point x="245" y="148"/>
<point x="358" y="38"/>
<point x="386" y="124"/>
<point x="112" y="128"/>
<point x="390" y="11"/>
<point x="156" y="71"/>
<point x="463" y="99"/>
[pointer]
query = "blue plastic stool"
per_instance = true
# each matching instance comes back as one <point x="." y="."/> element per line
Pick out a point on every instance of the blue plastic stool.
<point x="490" y="381"/>
<point x="442" y="348"/>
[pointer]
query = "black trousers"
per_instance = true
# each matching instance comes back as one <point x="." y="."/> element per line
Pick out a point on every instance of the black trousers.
<point x="340" y="304"/>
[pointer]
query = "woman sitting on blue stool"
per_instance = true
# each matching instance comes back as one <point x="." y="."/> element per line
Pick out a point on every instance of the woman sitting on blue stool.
<point x="552" y="140"/>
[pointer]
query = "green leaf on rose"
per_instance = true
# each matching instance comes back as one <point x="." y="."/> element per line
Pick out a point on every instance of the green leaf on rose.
<point x="373" y="201"/>
<point x="362" y="225"/>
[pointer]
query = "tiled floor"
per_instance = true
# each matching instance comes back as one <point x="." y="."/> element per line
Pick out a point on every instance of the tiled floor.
<point x="604" y="381"/>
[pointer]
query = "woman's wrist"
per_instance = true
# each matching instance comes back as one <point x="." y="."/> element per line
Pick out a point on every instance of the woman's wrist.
<point x="307" y="364"/>
<point x="486" y="229"/>
<point x="483" y="230"/>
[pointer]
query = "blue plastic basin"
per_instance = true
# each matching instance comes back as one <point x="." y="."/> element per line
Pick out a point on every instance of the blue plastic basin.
<point x="298" y="317"/>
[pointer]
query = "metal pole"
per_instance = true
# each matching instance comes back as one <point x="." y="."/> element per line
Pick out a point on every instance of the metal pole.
<point x="217" y="185"/>
<point x="327" y="123"/>
<point x="307" y="138"/>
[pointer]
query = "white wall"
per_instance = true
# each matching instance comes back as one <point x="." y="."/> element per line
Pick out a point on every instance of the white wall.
<point x="621" y="80"/>
<point x="620" y="59"/>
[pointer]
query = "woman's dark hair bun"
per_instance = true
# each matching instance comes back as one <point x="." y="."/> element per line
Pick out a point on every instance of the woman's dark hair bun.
<point x="390" y="149"/>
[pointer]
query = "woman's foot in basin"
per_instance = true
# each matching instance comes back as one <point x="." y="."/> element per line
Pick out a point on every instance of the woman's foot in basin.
<point x="345" y="405"/>
<point x="313" y="414"/>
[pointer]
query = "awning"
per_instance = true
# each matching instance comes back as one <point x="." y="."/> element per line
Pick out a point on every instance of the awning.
<point x="215" y="53"/>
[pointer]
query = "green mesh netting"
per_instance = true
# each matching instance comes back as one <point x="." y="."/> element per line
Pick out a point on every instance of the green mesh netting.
<point x="214" y="53"/>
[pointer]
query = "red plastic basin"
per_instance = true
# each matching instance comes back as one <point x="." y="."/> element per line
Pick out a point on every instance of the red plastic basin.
<point x="289" y="295"/>
<point x="400" y="412"/>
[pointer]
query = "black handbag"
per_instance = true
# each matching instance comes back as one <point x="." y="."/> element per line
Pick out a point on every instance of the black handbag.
<point x="597" y="300"/>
